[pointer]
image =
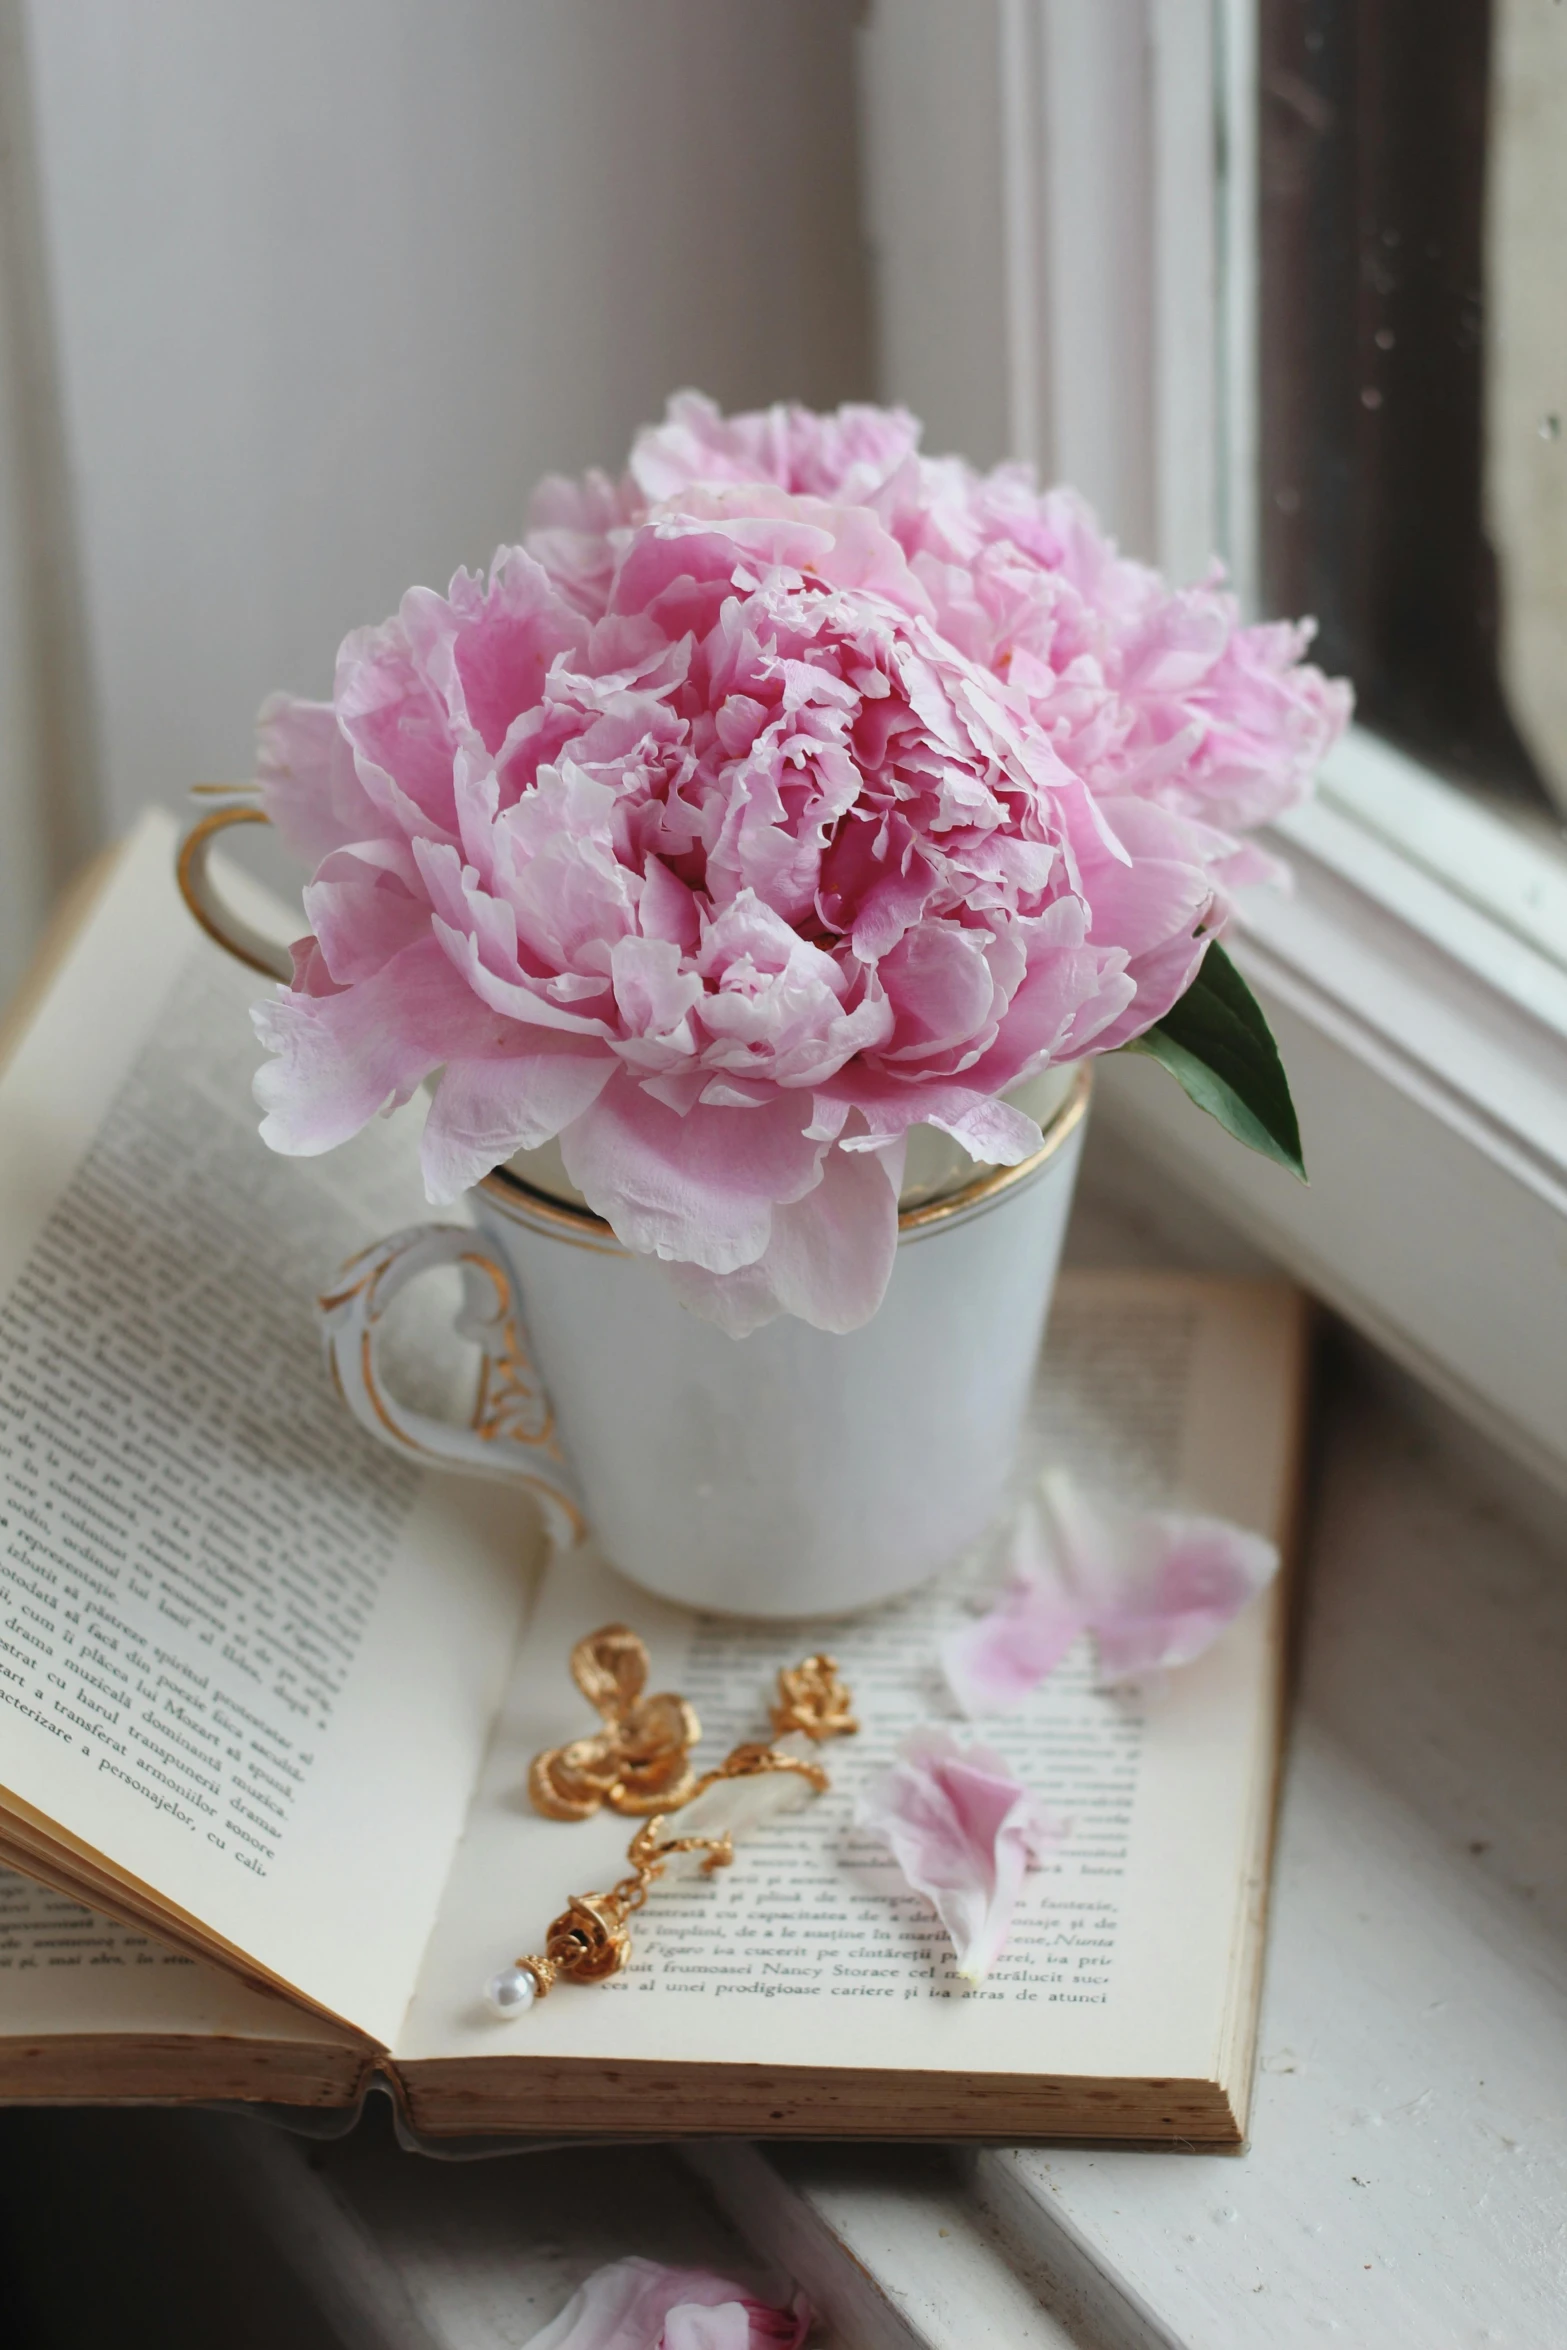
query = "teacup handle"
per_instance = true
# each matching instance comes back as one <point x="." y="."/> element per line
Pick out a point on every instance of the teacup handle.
<point x="512" y="1432"/>
<point x="236" y="804"/>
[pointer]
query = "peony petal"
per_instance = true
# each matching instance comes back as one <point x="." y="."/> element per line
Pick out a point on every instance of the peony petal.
<point x="831" y="1253"/>
<point x="941" y="990"/>
<point x="853" y="549"/>
<point x="485" y="1109"/>
<point x="1156" y="1589"/>
<point x="1167" y="1584"/>
<point x="695" y="2327"/>
<point x="400" y="733"/>
<point x="341" y="1058"/>
<point x="361" y="913"/>
<point x="487" y="649"/>
<point x="1161" y="979"/>
<point x="698" y="1189"/>
<point x="856" y="452"/>
<point x="994" y="1133"/>
<point x="311" y="976"/>
<point x="1163" y="893"/>
<point x="964" y="1832"/>
<point x="994" y="1663"/>
<point x="645" y="2305"/>
<point x="828" y="1259"/>
<point x="309" y="785"/>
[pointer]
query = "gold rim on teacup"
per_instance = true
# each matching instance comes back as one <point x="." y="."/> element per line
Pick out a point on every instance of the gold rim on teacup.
<point x="582" y="1229"/>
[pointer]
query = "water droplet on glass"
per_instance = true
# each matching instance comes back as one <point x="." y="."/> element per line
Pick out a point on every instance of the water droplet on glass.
<point x="1550" y="428"/>
<point x="1371" y="397"/>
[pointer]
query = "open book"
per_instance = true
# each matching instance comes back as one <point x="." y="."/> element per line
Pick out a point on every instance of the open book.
<point x="268" y="1694"/>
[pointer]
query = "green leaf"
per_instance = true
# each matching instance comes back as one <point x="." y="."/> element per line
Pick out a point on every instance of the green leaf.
<point x="1216" y="1043"/>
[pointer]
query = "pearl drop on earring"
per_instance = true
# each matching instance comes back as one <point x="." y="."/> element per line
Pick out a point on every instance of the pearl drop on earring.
<point x="512" y="1991"/>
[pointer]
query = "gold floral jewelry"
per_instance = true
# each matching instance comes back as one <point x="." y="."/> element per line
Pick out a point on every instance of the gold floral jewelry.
<point x="811" y="1698"/>
<point x="639" y="1762"/>
<point x="590" y="1941"/>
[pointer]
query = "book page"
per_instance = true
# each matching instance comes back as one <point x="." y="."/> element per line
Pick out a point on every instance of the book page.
<point x="248" y="1657"/>
<point x="811" y="1951"/>
<point x="68" y="1970"/>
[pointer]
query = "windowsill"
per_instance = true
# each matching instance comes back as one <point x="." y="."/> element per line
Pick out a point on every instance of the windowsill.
<point x="1426" y="1041"/>
<point x="1487" y="886"/>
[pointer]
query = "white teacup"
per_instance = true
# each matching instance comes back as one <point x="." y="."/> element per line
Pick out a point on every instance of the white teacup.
<point x="793" y="1472"/>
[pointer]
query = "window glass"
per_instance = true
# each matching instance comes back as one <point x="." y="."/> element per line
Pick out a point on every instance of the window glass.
<point x="1414" y="374"/>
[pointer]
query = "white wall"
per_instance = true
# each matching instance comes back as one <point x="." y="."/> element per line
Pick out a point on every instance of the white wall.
<point x="49" y="815"/>
<point x="936" y="205"/>
<point x="335" y="280"/>
<point x="1042" y="187"/>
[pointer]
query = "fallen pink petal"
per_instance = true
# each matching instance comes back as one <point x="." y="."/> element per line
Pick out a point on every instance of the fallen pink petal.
<point x="992" y="1664"/>
<point x="644" y="2305"/>
<point x="1155" y="1588"/>
<point x="1184" y="1579"/>
<point x="964" y="1832"/>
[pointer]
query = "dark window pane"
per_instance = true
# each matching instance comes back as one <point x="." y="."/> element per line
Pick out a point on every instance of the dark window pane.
<point x="1374" y="119"/>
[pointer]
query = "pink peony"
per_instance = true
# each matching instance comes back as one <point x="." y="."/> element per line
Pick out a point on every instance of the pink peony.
<point x="1142" y="688"/>
<point x="787" y="794"/>
<point x="726" y="888"/>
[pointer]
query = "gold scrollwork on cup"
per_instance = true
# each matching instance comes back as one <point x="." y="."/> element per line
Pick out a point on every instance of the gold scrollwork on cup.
<point x="511" y="1404"/>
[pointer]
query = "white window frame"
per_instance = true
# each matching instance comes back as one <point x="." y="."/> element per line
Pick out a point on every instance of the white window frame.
<point x="1101" y="155"/>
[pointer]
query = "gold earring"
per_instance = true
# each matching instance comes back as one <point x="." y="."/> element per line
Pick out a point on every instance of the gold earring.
<point x="591" y="1939"/>
<point x="639" y="1762"/>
